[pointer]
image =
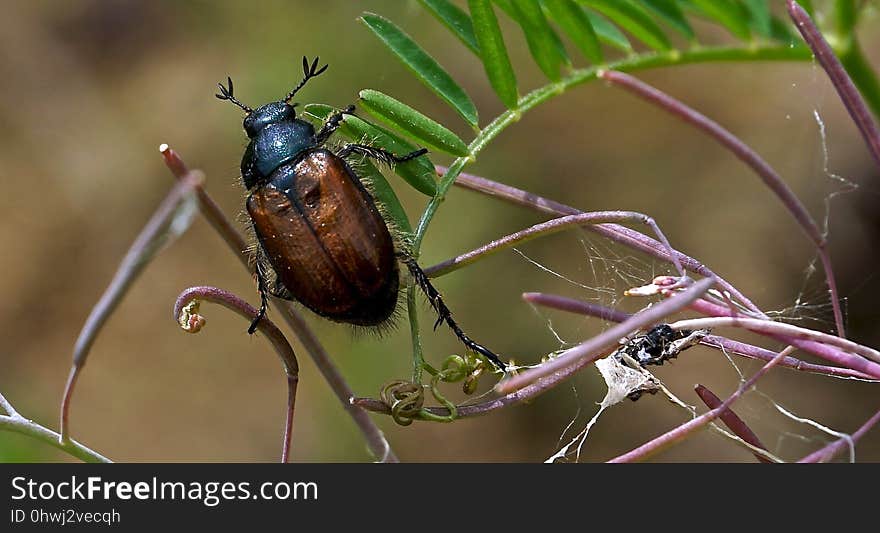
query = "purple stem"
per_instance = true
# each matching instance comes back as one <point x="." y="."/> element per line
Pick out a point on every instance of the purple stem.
<point x="134" y="262"/>
<point x="530" y="390"/>
<point x="570" y="305"/>
<point x="186" y="315"/>
<point x="675" y="435"/>
<point x="209" y="208"/>
<point x="748" y="156"/>
<point x="372" y="434"/>
<point x="821" y="344"/>
<point x="731" y="420"/>
<point x="548" y="228"/>
<point x="292" y="382"/>
<point x="847" y="90"/>
<point x="614" y="232"/>
<point x="585" y="353"/>
<point x="832" y="449"/>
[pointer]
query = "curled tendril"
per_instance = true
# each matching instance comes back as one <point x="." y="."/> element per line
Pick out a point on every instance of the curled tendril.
<point x="405" y="400"/>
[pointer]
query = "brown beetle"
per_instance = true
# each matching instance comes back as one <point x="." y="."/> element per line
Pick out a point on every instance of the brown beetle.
<point x="322" y="240"/>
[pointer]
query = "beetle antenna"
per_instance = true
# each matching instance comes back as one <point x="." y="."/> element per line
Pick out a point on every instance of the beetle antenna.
<point x="226" y="94"/>
<point x="309" y="72"/>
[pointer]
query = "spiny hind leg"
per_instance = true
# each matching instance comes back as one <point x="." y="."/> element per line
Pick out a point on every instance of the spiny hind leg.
<point x="443" y="312"/>
<point x="268" y="284"/>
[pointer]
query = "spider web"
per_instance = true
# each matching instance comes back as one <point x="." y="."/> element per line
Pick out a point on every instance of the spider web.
<point x="610" y="269"/>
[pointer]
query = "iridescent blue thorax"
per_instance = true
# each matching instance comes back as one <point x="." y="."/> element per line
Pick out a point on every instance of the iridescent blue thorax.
<point x="277" y="137"/>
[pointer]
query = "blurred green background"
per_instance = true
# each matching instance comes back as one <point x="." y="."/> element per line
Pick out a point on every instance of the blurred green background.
<point x="92" y="88"/>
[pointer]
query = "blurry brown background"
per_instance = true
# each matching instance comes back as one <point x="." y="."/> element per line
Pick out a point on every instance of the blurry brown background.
<point x="92" y="88"/>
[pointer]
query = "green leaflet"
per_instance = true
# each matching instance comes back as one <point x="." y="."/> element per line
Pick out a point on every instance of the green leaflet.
<point x="546" y="48"/>
<point x="669" y="11"/>
<point x="384" y="194"/>
<point x="574" y="22"/>
<point x="727" y="13"/>
<point x="633" y="19"/>
<point x="493" y="52"/>
<point x="411" y="122"/>
<point x="423" y="66"/>
<point x="419" y="172"/>
<point x="608" y="32"/>
<point x="456" y="20"/>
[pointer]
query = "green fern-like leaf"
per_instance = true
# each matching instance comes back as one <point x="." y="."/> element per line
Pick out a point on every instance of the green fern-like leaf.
<point x="634" y="19"/>
<point x="670" y="12"/>
<point x="423" y="66"/>
<point x="576" y="24"/>
<point x="493" y="52"/>
<point x="544" y="44"/>
<point x="614" y="34"/>
<point x="410" y="122"/>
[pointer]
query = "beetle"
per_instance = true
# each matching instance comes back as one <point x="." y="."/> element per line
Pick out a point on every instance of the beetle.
<point x="322" y="241"/>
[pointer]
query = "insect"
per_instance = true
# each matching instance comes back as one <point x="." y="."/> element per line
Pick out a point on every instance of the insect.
<point x="322" y="239"/>
<point x="661" y="343"/>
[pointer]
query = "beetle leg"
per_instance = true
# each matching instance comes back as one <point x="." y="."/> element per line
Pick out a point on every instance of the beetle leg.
<point x="332" y="124"/>
<point x="380" y="154"/>
<point x="264" y="298"/>
<point x="445" y="315"/>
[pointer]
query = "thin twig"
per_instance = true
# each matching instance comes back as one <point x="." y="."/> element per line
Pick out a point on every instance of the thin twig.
<point x="841" y="80"/>
<point x="614" y="232"/>
<point x="747" y="155"/>
<point x="784" y="331"/>
<point x="540" y="386"/>
<point x="587" y="351"/>
<point x="825" y="350"/>
<point x="209" y="208"/>
<point x="828" y="452"/>
<point x="186" y="314"/>
<point x="548" y="228"/>
<point x="675" y="435"/>
<point x="571" y="305"/>
<point x="14" y="422"/>
<point x="374" y="437"/>
<point x="154" y="235"/>
<point x="10" y="410"/>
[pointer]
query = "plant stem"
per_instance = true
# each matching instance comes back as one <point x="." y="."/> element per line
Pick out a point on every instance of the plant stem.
<point x="832" y="449"/>
<point x="842" y="80"/>
<point x="418" y="356"/>
<point x="12" y="421"/>
<point x="682" y="431"/>
<point x="157" y="232"/>
<point x="570" y="305"/>
<point x="575" y="358"/>
<point x="748" y="156"/>
<point x="376" y="441"/>
<point x="579" y="76"/>
<point x="550" y="227"/>
<point x="614" y="232"/>
<point x="186" y="313"/>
